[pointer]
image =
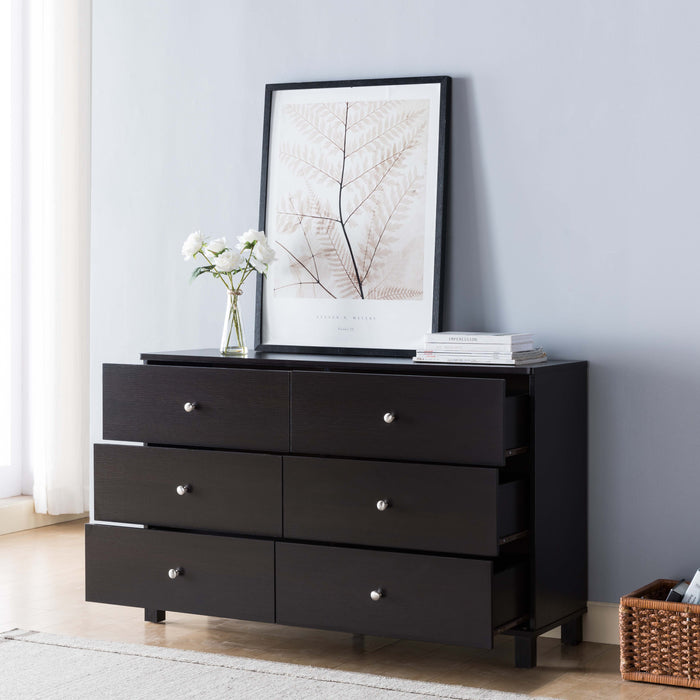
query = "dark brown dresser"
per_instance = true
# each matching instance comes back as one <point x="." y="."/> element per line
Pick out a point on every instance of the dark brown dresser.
<point x="377" y="496"/>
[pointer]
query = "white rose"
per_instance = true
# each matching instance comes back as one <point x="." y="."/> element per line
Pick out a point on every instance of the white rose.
<point x="251" y="236"/>
<point x="228" y="261"/>
<point x="192" y="245"/>
<point x="216" y="246"/>
<point x="260" y="266"/>
<point x="263" y="252"/>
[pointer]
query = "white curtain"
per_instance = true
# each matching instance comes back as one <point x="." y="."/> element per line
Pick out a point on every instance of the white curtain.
<point x="10" y="477"/>
<point x="55" y="245"/>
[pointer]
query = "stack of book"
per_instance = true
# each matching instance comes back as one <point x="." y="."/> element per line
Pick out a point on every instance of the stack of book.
<point x="480" y="348"/>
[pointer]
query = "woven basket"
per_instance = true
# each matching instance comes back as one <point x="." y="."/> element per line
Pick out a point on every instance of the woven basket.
<point x="659" y="641"/>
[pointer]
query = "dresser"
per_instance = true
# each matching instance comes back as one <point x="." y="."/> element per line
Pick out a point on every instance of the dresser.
<point x="378" y="496"/>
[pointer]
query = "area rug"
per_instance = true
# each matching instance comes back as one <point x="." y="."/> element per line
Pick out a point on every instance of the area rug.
<point x="48" y="666"/>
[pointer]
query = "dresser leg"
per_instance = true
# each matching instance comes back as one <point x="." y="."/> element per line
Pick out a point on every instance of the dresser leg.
<point x="358" y="642"/>
<point x="153" y="615"/>
<point x="525" y="652"/>
<point x="572" y="632"/>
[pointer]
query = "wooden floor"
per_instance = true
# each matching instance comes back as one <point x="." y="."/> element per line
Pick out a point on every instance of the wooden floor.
<point x="41" y="588"/>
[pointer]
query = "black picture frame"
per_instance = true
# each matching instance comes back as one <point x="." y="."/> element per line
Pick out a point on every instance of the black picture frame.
<point x="437" y="128"/>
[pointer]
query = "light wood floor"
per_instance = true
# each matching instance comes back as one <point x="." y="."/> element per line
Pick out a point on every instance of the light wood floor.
<point x="41" y="588"/>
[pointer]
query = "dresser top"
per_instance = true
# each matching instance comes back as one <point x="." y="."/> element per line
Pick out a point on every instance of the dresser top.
<point x="273" y="360"/>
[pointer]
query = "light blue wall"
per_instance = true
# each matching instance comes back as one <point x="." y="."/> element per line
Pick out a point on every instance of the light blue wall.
<point x="574" y="208"/>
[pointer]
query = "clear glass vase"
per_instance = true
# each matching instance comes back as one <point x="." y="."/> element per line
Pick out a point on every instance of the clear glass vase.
<point x="232" y="336"/>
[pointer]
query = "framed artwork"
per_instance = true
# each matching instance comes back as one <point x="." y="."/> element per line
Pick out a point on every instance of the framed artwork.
<point x="353" y="203"/>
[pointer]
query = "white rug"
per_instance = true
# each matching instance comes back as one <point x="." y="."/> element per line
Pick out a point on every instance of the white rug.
<point x="47" y="666"/>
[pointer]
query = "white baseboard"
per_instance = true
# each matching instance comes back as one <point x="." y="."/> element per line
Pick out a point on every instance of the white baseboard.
<point x="17" y="513"/>
<point x="600" y="624"/>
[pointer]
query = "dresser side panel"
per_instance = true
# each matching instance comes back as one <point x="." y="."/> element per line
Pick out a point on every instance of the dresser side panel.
<point x="559" y="507"/>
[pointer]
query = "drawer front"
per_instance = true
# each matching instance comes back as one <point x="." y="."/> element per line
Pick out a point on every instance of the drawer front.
<point x="440" y="508"/>
<point x="228" y="491"/>
<point x="436" y="419"/>
<point x="439" y="599"/>
<point x="234" y="408"/>
<point x="222" y="576"/>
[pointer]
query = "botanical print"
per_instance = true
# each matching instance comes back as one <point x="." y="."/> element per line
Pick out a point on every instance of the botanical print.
<point x="351" y="204"/>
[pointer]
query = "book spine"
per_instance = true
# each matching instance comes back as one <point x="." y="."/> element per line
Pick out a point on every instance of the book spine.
<point x="460" y="359"/>
<point x="503" y="340"/>
<point x="516" y="355"/>
<point x="430" y="346"/>
<point x="466" y="356"/>
<point x="463" y="360"/>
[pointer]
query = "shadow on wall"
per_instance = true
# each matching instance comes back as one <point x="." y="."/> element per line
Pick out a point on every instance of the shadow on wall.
<point x="470" y="300"/>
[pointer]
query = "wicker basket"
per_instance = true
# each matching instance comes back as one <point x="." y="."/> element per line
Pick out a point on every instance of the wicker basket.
<point x="659" y="641"/>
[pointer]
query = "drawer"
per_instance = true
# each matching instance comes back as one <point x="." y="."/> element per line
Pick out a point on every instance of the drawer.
<point x="228" y="491"/>
<point x="234" y="408"/>
<point x="460" y="420"/>
<point x="433" y="598"/>
<point x="461" y="510"/>
<point x="222" y="576"/>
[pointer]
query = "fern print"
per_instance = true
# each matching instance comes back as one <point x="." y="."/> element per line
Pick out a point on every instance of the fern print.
<point x="351" y="213"/>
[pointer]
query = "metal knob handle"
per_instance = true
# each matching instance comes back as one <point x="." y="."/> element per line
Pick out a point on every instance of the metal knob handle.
<point x="190" y="406"/>
<point x="174" y="573"/>
<point x="383" y="504"/>
<point x="376" y="594"/>
<point x="389" y="417"/>
<point x="182" y="489"/>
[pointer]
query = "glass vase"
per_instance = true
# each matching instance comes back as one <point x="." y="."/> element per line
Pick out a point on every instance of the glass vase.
<point x="232" y="336"/>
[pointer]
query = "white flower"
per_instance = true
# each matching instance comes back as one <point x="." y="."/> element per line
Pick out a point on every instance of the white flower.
<point x="264" y="253"/>
<point x="261" y="267"/>
<point x="192" y="245"/>
<point x="253" y="253"/>
<point x="228" y="261"/>
<point x="250" y="236"/>
<point x="216" y="246"/>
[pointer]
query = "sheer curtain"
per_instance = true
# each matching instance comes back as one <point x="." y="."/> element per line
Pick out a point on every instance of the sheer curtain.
<point x="53" y="234"/>
<point x="10" y="475"/>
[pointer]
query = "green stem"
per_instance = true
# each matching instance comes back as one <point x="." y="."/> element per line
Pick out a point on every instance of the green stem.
<point x="220" y="274"/>
<point x="233" y="325"/>
<point x="247" y="270"/>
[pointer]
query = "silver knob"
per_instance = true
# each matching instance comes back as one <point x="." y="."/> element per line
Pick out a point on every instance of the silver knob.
<point x="376" y="594"/>
<point x="182" y="489"/>
<point x="174" y="573"/>
<point x="383" y="504"/>
<point x="389" y="417"/>
<point x="190" y="406"/>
